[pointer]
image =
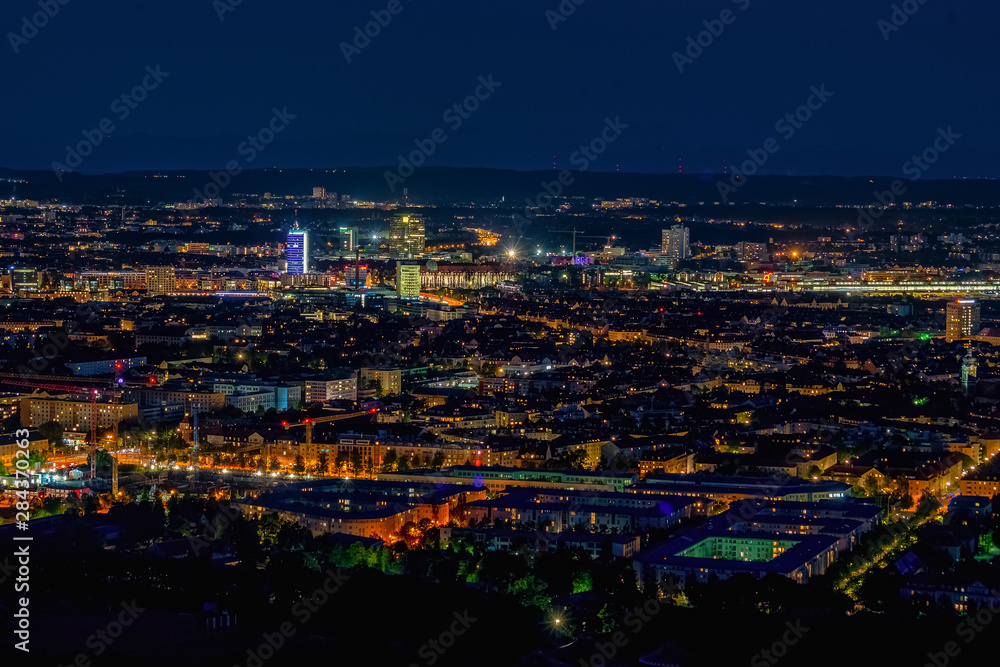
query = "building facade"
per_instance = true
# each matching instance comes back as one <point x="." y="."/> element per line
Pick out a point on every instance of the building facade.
<point x="676" y="242"/>
<point x="406" y="236"/>
<point x="962" y="320"/>
<point x="297" y="252"/>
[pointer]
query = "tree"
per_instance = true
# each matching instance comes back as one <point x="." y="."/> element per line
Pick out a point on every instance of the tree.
<point x="530" y="591"/>
<point x="323" y="463"/>
<point x="389" y="462"/>
<point x="53" y="432"/>
<point x="871" y="485"/>
<point x="583" y="582"/>
<point x="273" y="464"/>
<point x="438" y="460"/>
<point x="356" y="462"/>
<point x="268" y="527"/>
<point x="299" y="466"/>
<point x="403" y="463"/>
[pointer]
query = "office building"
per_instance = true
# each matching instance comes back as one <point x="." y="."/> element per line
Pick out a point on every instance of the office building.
<point x="160" y="280"/>
<point x="676" y="242"/>
<point x="356" y="276"/>
<point x="24" y="279"/>
<point x="407" y="280"/>
<point x="406" y="236"/>
<point x="349" y="239"/>
<point x="962" y="320"/>
<point x="297" y="252"/>
<point x="319" y="193"/>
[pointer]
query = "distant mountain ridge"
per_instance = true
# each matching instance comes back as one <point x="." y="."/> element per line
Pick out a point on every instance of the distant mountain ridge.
<point x="439" y="185"/>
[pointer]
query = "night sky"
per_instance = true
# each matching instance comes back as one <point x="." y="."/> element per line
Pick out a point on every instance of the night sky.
<point x="608" y="59"/>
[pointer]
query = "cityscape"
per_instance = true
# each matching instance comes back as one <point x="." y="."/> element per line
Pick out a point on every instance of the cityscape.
<point x="510" y="391"/>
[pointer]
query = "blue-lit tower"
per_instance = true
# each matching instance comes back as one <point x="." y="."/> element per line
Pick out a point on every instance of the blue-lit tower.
<point x="297" y="252"/>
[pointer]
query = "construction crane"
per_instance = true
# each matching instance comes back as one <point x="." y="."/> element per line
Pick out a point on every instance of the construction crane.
<point x="114" y="473"/>
<point x="574" y="232"/>
<point x="607" y="239"/>
<point x="310" y="422"/>
<point x="91" y="391"/>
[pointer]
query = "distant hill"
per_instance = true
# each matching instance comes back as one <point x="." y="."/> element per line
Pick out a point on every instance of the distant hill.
<point x="438" y="185"/>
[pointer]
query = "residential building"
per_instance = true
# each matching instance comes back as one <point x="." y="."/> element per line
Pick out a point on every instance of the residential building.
<point x="676" y="242"/>
<point x="160" y="280"/>
<point x="962" y="320"/>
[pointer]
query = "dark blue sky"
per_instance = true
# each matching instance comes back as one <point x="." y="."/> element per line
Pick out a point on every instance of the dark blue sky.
<point x="609" y="58"/>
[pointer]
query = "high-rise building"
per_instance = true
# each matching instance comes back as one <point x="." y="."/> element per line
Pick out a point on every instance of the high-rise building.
<point x="319" y="193"/>
<point x="962" y="320"/>
<point x="407" y="280"/>
<point x="406" y="236"/>
<point x="676" y="242"/>
<point x="349" y="239"/>
<point x="160" y="280"/>
<point x="297" y="252"/>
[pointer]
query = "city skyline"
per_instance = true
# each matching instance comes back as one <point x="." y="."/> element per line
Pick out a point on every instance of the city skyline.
<point x="562" y="333"/>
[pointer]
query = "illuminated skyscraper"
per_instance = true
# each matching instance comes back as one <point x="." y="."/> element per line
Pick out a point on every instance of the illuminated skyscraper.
<point x="407" y="280"/>
<point x="406" y="236"/>
<point x="676" y="242"/>
<point x="297" y="252"/>
<point x="962" y="320"/>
